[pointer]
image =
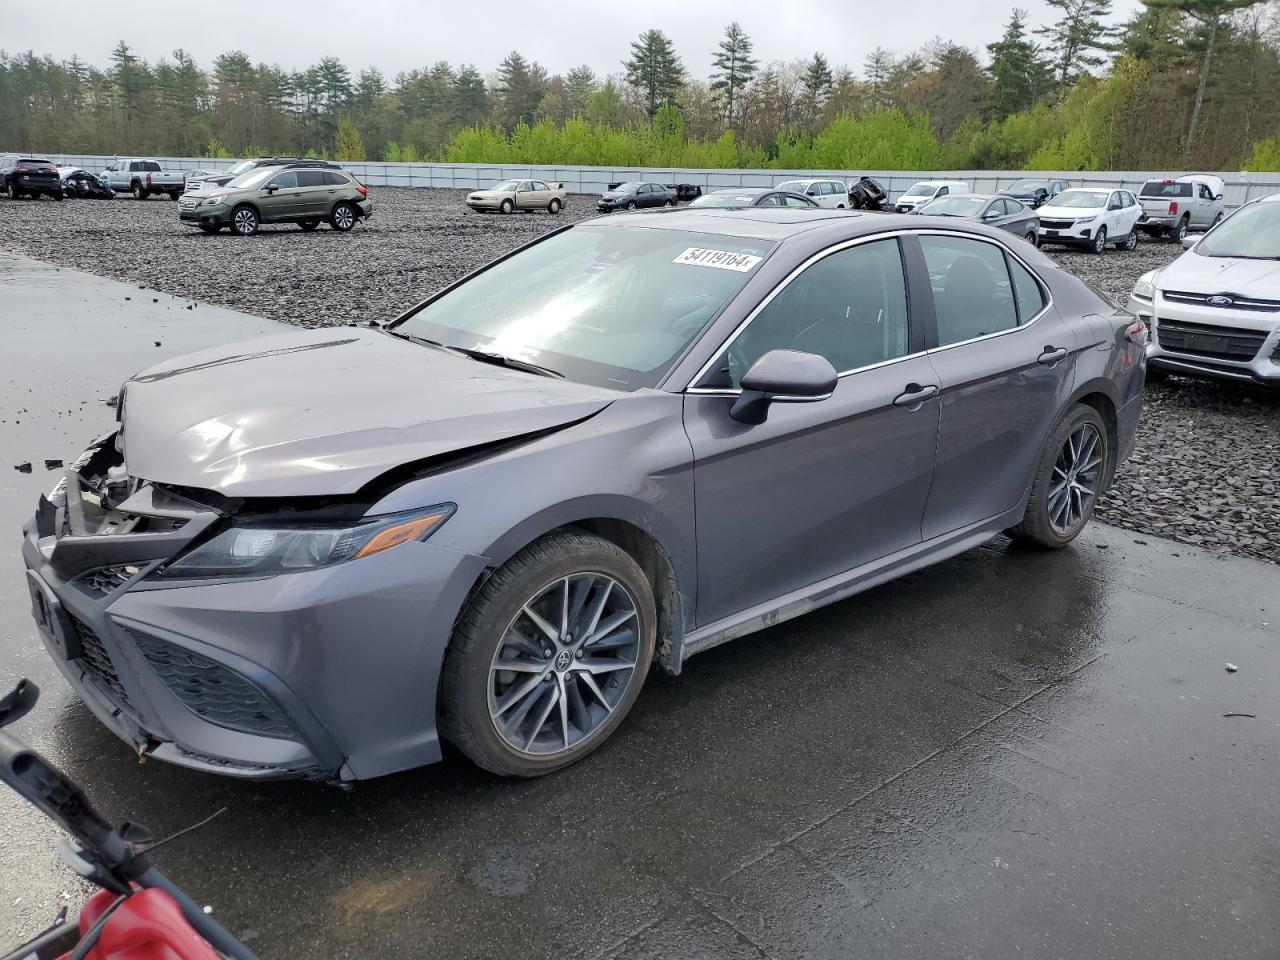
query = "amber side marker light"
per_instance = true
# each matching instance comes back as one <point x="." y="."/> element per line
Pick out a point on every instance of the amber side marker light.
<point x="414" y="529"/>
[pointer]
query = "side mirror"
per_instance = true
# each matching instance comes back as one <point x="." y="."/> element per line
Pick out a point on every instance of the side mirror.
<point x="811" y="192"/>
<point x="1189" y="242"/>
<point x="1217" y="196"/>
<point x="991" y="215"/>
<point x="782" y="376"/>
<point x="270" y="188"/>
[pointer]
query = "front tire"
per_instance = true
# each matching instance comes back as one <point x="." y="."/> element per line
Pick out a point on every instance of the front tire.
<point x="506" y="206"/>
<point x="631" y="204"/>
<point x="1070" y="474"/>
<point x="244" y="221"/>
<point x="343" y="218"/>
<point x="1099" y="245"/>
<point x="549" y="656"/>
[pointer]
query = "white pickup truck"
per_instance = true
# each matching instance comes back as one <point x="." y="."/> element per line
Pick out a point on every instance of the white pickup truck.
<point x="1172" y="207"/>
<point x="143" y="178"/>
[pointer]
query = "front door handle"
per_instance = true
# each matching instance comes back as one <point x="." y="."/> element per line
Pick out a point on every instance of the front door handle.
<point x="915" y="395"/>
<point x="1052" y="355"/>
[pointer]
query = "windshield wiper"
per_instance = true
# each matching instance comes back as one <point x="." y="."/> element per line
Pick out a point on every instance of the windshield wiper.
<point x="424" y="341"/>
<point x="502" y="360"/>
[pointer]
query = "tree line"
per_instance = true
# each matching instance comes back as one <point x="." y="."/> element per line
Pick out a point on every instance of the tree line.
<point x="1184" y="84"/>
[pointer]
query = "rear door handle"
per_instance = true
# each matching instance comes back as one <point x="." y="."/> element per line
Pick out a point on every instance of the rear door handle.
<point x="915" y="395"/>
<point x="1052" y="355"/>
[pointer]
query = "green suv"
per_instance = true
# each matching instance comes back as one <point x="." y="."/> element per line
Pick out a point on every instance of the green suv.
<point x="302" y="195"/>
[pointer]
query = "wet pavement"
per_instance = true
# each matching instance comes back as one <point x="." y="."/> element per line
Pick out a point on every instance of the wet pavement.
<point x="1009" y="754"/>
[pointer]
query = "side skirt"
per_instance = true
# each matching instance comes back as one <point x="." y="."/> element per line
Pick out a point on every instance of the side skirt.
<point x="808" y="599"/>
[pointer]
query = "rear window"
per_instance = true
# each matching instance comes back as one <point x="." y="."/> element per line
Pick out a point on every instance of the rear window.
<point x="334" y="179"/>
<point x="26" y="164"/>
<point x="1161" y="188"/>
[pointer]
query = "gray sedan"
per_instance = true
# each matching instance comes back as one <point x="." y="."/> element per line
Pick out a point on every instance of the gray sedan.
<point x="1004" y="213"/>
<point x="636" y="438"/>
<point x="755" y="197"/>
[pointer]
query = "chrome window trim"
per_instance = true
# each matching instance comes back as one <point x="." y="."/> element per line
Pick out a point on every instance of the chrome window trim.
<point x="845" y="245"/>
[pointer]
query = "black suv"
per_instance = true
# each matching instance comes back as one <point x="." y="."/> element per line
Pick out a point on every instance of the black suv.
<point x="202" y="180"/>
<point x="28" y="176"/>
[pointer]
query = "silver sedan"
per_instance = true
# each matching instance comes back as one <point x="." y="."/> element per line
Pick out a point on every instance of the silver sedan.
<point x="992" y="210"/>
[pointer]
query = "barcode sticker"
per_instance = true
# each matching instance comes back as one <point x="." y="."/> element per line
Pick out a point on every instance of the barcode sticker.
<point x="721" y="259"/>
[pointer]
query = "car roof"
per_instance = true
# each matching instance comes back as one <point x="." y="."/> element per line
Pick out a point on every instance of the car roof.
<point x="745" y="191"/>
<point x="758" y="223"/>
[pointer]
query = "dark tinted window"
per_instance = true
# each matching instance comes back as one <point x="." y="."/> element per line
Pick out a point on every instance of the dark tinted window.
<point x="310" y="178"/>
<point x="149" y="166"/>
<point x="1026" y="290"/>
<point x="1162" y="188"/>
<point x="971" y="292"/>
<point x="850" y="307"/>
<point x="334" y="179"/>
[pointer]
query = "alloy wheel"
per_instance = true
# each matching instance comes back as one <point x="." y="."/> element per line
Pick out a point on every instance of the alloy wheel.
<point x="245" y="222"/>
<point x="1077" y="474"/>
<point x="564" y="664"/>
<point x="344" y="217"/>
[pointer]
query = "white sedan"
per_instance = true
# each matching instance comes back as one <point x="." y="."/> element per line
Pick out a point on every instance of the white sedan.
<point x="1092" y="218"/>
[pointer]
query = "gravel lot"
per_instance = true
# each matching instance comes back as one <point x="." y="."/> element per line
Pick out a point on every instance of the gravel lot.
<point x="1206" y="469"/>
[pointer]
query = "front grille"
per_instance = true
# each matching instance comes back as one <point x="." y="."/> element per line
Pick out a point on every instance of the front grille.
<point x="212" y="691"/>
<point x="1224" y="301"/>
<point x="97" y="662"/>
<point x="1208" y="340"/>
<point x="105" y="580"/>
<point x="1057" y="224"/>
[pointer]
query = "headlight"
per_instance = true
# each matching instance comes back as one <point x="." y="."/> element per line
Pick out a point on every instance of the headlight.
<point x="1145" y="288"/>
<point x="251" y="551"/>
<point x="214" y="201"/>
<point x="1084" y="220"/>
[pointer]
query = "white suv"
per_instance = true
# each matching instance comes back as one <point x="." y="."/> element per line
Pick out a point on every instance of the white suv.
<point x="918" y="194"/>
<point x="1215" y="311"/>
<point x="1093" y="218"/>
<point x="833" y="194"/>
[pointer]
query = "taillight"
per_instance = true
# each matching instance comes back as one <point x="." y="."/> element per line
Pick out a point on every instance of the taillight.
<point x="362" y="190"/>
<point x="1136" y="333"/>
<point x="1173" y="206"/>
<point x="148" y="179"/>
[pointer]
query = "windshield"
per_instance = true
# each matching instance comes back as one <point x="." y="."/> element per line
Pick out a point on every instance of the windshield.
<point x="1161" y="188"/>
<point x="1253" y="232"/>
<point x="631" y="186"/>
<point x="241" y="167"/>
<point x="723" y="200"/>
<point x="957" y="206"/>
<point x="612" y="307"/>
<point x="254" y="178"/>
<point x="506" y="186"/>
<point x="920" y="190"/>
<point x="1027" y="186"/>
<point x="1086" y="199"/>
<point x="795" y="186"/>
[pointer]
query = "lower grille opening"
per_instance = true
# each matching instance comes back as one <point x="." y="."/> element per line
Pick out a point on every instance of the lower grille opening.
<point x="97" y="662"/>
<point x="212" y="691"/>
<point x="1209" y="340"/>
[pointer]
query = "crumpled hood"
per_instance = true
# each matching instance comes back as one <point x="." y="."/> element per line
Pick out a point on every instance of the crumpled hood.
<point x="1192" y="273"/>
<point x="323" y="412"/>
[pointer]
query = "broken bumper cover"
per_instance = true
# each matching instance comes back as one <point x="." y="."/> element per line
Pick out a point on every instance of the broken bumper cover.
<point x="328" y="674"/>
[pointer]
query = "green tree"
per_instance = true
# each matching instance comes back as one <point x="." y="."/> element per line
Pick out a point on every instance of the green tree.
<point x="578" y="83"/>
<point x="1079" y="37"/>
<point x="817" y="81"/>
<point x="348" y="145"/>
<point x="732" y="69"/>
<point x="520" y="87"/>
<point x="1208" y="15"/>
<point x="1019" y="74"/>
<point x="654" y="70"/>
<point x="878" y="66"/>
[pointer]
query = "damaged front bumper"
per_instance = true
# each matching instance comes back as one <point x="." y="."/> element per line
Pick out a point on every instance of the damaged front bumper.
<point x="328" y="674"/>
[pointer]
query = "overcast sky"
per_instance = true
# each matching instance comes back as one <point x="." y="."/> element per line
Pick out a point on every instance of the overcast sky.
<point x="396" y="35"/>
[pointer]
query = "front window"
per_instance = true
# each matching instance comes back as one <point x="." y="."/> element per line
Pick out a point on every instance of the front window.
<point x="920" y="190"/>
<point x="507" y="186"/>
<point x="957" y="206"/>
<point x="1082" y="199"/>
<point x="1253" y="233"/>
<point x="612" y="307"/>
<point x="1028" y="186"/>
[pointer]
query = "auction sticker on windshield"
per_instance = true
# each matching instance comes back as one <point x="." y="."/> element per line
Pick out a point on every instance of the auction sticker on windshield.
<point x="722" y="259"/>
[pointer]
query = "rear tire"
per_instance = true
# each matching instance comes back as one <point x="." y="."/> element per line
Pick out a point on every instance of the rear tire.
<point x="14" y="192"/>
<point x="174" y="194"/>
<point x="1033" y="237"/>
<point x="1179" y="233"/>
<point x="472" y="686"/>
<point x="554" y="206"/>
<point x="1130" y="242"/>
<point x="1099" y="245"/>
<point x="138" y="191"/>
<point x="57" y="196"/>
<point x="343" y="218"/>
<point x="1057" y="509"/>
<point x="244" y="221"/>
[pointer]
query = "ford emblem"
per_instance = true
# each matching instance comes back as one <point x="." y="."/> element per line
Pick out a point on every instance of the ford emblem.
<point x="1220" y="301"/>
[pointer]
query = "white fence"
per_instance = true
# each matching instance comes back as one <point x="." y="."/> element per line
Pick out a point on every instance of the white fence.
<point x="1240" y="187"/>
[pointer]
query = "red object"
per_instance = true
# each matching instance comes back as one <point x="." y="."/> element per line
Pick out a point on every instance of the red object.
<point x="1173" y="206"/>
<point x="148" y="179"/>
<point x="362" y="190"/>
<point x="1136" y="333"/>
<point x="147" y="926"/>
